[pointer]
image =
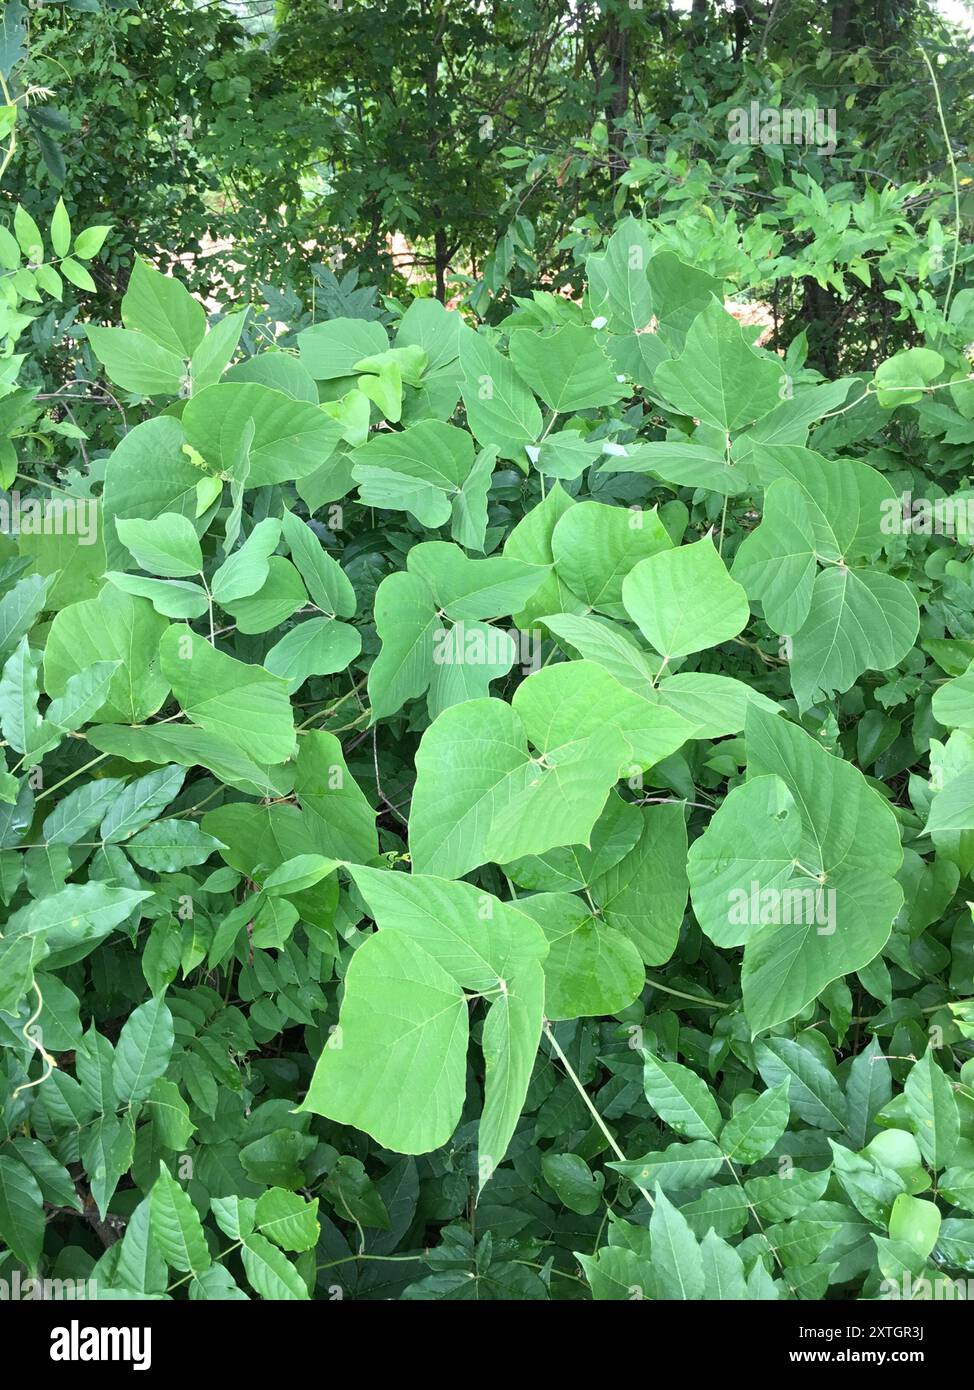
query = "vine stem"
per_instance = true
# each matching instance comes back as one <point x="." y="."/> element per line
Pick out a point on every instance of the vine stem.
<point x="71" y="775"/>
<point x="37" y="1043"/>
<point x="385" y="1259"/>
<point x="680" y="994"/>
<point x="723" y="526"/>
<point x="953" y="170"/>
<point x="588" y="1101"/>
<point x="330" y="709"/>
<point x="193" y="1273"/>
<point x="8" y="153"/>
<point x="723" y="513"/>
<point x="209" y="605"/>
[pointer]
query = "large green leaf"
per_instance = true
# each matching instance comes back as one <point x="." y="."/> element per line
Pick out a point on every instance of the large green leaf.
<point x="342" y="819"/>
<point x="245" y="569"/>
<point x="421" y="650"/>
<point x="859" y="620"/>
<point x="417" y="469"/>
<point x="481" y="941"/>
<point x="211" y="357"/>
<point x="619" y="289"/>
<point x="278" y="598"/>
<point x="718" y="705"/>
<point x="112" y="627"/>
<point x="776" y="562"/>
<point x="330" y="350"/>
<point x="531" y="541"/>
<point x="677" y="1261"/>
<point x="952" y="808"/>
<point x="75" y="919"/>
<point x="644" y="895"/>
<point x="610" y="645"/>
<point x="21" y="1211"/>
<point x="270" y="1272"/>
<point x="324" y="578"/>
<point x="681" y="1098"/>
<point x="868" y="1088"/>
<point x="719" y="378"/>
<point x="142" y="1052"/>
<point x="70" y="548"/>
<point x="140" y="1265"/>
<point x="799" y="866"/>
<point x="591" y="968"/>
<point x="19" y="607"/>
<point x="192" y="747"/>
<point x="933" y="1108"/>
<point x="567" y="368"/>
<point x="813" y="1091"/>
<point x="483" y="945"/>
<point x="315" y="647"/>
<point x="289" y="440"/>
<point x="465" y="588"/>
<point x="512" y="1031"/>
<point x="953" y="703"/>
<point x="846" y="500"/>
<point x="723" y="1270"/>
<point x="167" y="545"/>
<point x="481" y="795"/>
<point x="137" y="362"/>
<point x="574" y="867"/>
<point x="175" y="1225"/>
<point x="684" y="600"/>
<point x="404" y="1025"/>
<point x="19" y="717"/>
<point x="500" y="408"/>
<point x="754" y="1129"/>
<point x="171" y="844"/>
<point x="140" y="802"/>
<point x="685" y="464"/>
<point x="595" y="547"/>
<point x="160" y="306"/>
<point x="243" y="704"/>
<point x="149" y="474"/>
<point x="288" y="1219"/>
<point x="406" y="621"/>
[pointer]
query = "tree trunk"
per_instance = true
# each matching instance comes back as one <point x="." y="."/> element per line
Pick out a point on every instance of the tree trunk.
<point x="617" y="56"/>
<point x="441" y="257"/>
<point x="821" y="310"/>
<point x="742" y="27"/>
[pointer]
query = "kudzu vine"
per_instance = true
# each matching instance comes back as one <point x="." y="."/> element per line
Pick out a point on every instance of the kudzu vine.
<point x="509" y="780"/>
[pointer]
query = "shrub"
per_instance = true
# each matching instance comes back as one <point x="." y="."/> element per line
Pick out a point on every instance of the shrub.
<point x="490" y="811"/>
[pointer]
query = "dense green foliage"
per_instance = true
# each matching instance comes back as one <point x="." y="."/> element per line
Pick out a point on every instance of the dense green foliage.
<point x="488" y="808"/>
<point x="692" y="623"/>
<point x="502" y="142"/>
